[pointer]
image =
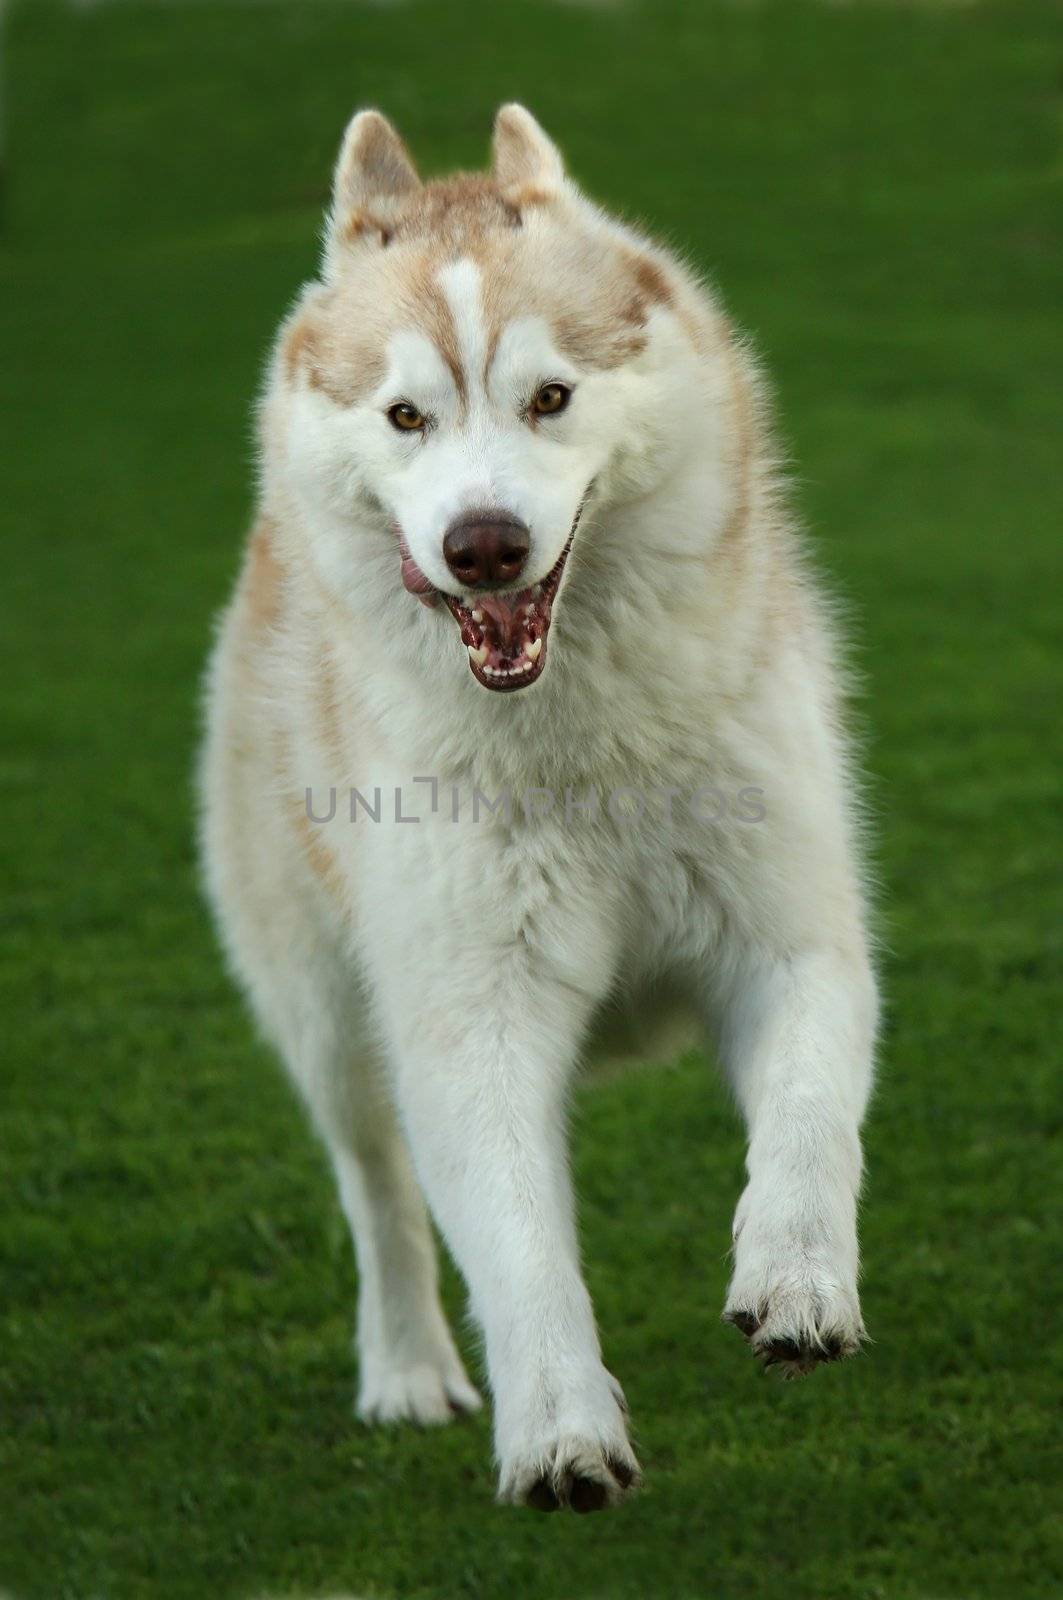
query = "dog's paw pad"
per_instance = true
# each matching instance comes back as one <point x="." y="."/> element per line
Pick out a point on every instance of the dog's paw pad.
<point x="795" y="1358"/>
<point x="541" y="1496"/>
<point x="587" y="1494"/>
<point x="626" y="1473"/>
<point x="788" y="1355"/>
<point x="747" y="1322"/>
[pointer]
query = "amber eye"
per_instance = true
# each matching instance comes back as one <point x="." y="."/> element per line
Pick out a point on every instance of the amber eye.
<point x="405" y="417"/>
<point x="551" y="399"/>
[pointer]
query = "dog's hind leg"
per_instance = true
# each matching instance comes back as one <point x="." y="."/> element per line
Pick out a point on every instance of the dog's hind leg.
<point x="409" y="1367"/>
<point x="307" y="997"/>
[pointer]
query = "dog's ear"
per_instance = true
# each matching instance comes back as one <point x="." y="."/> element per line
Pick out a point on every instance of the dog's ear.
<point x="373" y="182"/>
<point x="527" y="165"/>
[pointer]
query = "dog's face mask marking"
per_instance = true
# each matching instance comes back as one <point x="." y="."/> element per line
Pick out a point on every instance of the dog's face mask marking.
<point x="480" y="355"/>
<point x="484" y="470"/>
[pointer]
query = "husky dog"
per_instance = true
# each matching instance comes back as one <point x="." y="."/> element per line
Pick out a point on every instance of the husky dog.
<point x="521" y="536"/>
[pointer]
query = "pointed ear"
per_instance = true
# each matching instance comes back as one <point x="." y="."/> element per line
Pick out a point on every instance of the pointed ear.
<point x="374" y="178"/>
<point x="524" y="158"/>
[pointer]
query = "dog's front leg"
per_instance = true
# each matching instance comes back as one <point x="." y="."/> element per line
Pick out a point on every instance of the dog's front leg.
<point x="796" y="1039"/>
<point x="482" y="1063"/>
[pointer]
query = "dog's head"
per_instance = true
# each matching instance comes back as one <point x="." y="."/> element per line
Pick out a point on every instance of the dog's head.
<point x="486" y="356"/>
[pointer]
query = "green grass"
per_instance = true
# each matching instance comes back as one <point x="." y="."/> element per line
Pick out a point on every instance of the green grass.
<point x="876" y="189"/>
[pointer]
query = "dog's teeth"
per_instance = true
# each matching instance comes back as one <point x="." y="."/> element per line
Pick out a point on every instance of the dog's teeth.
<point x="477" y="616"/>
<point x="532" y="650"/>
<point x="479" y="656"/>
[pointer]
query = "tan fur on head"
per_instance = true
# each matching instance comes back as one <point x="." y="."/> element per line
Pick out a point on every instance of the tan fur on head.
<point x="377" y="191"/>
<point x="541" y="249"/>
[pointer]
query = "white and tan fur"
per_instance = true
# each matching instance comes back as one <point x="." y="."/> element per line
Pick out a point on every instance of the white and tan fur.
<point x="433" y="986"/>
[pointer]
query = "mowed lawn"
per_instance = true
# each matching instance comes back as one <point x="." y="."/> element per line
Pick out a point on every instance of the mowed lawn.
<point x="876" y="190"/>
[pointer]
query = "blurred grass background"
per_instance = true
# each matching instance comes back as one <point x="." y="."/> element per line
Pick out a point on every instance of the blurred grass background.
<point x="876" y="189"/>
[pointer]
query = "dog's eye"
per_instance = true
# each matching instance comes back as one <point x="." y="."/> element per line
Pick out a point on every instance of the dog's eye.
<point x="551" y="399"/>
<point x="405" y="417"/>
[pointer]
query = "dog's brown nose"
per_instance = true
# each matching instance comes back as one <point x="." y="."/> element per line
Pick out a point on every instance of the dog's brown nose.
<point x="486" y="549"/>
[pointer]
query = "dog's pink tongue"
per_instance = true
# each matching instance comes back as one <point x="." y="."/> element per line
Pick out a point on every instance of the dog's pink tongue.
<point x="414" y="580"/>
<point x="505" y="616"/>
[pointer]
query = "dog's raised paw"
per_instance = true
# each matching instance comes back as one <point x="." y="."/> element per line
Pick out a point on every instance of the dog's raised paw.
<point x="794" y="1340"/>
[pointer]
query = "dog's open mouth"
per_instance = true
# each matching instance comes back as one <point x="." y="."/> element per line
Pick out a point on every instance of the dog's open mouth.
<point x="505" y="634"/>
